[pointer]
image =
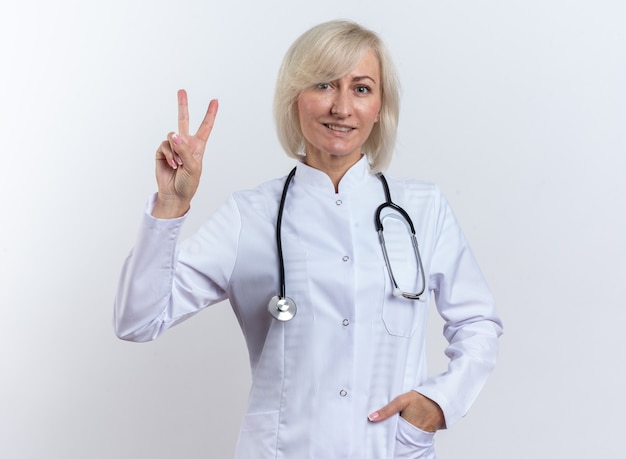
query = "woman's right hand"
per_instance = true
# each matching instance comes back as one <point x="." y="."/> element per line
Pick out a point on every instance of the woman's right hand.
<point x="179" y="162"/>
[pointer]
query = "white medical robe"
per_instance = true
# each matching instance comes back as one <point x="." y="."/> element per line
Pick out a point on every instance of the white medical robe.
<point x="352" y="346"/>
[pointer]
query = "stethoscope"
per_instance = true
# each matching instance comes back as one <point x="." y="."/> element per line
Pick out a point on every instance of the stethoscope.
<point x="283" y="308"/>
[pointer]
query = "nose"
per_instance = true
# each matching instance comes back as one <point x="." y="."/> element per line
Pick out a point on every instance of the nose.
<point x="341" y="106"/>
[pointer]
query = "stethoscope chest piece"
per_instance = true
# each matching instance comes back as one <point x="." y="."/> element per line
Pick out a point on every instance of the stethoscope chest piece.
<point x="282" y="309"/>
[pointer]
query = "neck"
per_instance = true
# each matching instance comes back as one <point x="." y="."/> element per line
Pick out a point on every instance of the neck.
<point x="333" y="166"/>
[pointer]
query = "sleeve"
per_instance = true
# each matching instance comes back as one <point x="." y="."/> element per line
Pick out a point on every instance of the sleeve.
<point x="163" y="283"/>
<point x="472" y="326"/>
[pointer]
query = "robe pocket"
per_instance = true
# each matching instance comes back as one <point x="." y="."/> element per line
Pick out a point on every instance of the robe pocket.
<point x="259" y="435"/>
<point x="413" y="443"/>
<point x="399" y="315"/>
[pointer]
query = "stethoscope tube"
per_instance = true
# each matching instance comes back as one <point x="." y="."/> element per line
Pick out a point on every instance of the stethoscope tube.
<point x="283" y="308"/>
<point x="379" y="228"/>
<point x="279" y="224"/>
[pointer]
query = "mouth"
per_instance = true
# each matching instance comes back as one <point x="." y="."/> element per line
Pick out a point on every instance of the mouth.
<point x="338" y="128"/>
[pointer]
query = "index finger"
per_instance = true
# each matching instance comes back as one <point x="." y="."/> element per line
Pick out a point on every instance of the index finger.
<point x="183" y="113"/>
<point x="393" y="407"/>
<point x="209" y="120"/>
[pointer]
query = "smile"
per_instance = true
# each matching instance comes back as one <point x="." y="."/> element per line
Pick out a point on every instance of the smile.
<point x="334" y="127"/>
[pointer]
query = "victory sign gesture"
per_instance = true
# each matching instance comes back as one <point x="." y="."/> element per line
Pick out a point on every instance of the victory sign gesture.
<point x="179" y="161"/>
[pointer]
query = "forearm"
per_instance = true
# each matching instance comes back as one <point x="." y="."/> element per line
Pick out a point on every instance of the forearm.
<point x="146" y="282"/>
<point x="472" y="352"/>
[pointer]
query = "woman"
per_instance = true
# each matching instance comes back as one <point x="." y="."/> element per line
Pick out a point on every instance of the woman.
<point x="346" y="375"/>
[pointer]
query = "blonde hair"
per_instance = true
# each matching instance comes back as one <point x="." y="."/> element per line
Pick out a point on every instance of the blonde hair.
<point x="324" y="53"/>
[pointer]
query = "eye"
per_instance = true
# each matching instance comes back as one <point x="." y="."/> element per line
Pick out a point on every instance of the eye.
<point x="363" y="89"/>
<point x="323" y="86"/>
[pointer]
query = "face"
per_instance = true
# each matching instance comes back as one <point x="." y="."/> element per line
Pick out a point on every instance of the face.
<point x="336" y="117"/>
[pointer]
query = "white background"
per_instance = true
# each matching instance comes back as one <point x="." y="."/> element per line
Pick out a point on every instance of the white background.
<point x="517" y="109"/>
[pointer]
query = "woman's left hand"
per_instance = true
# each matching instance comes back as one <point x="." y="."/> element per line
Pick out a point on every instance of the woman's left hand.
<point x="415" y="408"/>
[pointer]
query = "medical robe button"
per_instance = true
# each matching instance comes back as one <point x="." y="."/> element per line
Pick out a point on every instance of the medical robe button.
<point x="343" y="393"/>
<point x="346" y="322"/>
<point x="339" y="202"/>
<point x="346" y="258"/>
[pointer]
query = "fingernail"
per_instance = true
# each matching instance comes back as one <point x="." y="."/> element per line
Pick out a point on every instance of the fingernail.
<point x="176" y="139"/>
<point x="173" y="164"/>
<point x="372" y="417"/>
<point x="179" y="160"/>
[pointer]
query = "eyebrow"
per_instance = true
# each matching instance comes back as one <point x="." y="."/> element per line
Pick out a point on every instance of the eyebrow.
<point x="363" y="77"/>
